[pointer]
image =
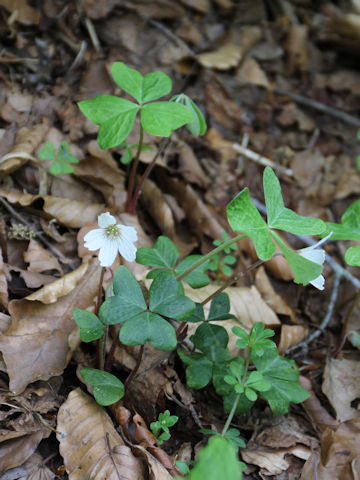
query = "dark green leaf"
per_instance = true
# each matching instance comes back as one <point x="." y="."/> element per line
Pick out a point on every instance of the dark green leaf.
<point x="209" y="337"/>
<point x="197" y="278"/>
<point x="197" y="315"/>
<point x="149" y="327"/>
<point x="219" y="308"/>
<point x="352" y="256"/>
<point x="163" y="254"/>
<point x="90" y="326"/>
<point x="166" y="297"/>
<point x="107" y="388"/>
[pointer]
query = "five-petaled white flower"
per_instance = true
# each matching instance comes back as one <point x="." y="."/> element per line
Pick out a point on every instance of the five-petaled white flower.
<point x="111" y="238"/>
<point x="316" y="255"/>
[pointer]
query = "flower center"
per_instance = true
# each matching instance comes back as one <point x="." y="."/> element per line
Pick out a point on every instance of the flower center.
<point x="112" y="232"/>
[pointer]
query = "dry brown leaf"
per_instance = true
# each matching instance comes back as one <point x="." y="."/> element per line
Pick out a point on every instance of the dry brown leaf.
<point x="5" y="321"/>
<point x="189" y="166"/>
<point x="71" y="213"/>
<point x="224" y="58"/>
<point x="40" y="259"/>
<point x="26" y="142"/>
<point x="32" y="279"/>
<point x="291" y="335"/>
<point x="159" y="8"/>
<point x="291" y="114"/>
<point x="37" y="470"/>
<point x="22" y="11"/>
<point x="345" y="31"/>
<point x="348" y="183"/>
<point x="338" y="458"/>
<point x="39" y="341"/>
<point x="271" y="298"/>
<point x="251" y="73"/>
<point x="273" y="462"/>
<point x="107" y="179"/>
<point x="221" y="106"/>
<point x="16" y="451"/>
<point x="199" y="5"/>
<point x="154" y="202"/>
<point x="221" y="145"/>
<point x="341" y="385"/>
<point x="317" y="413"/>
<point x="198" y="214"/>
<point x="90" y="445"/>
<point x="297" y="49"/>
<point x="156" y="470"/>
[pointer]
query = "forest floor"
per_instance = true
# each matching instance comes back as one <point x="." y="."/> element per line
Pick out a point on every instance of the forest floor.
<point x="279" y="85"/>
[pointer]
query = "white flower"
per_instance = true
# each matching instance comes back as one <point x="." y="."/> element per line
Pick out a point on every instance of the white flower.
<point x="316" y="255"/>
<point x="111" y="238"/>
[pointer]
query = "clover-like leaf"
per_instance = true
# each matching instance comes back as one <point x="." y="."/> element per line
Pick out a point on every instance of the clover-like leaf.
<point x="199" y="370"/>
<point x="282" y="218"/>
<point x="258" y="339"/>
<point x="114" y="115"/>
<point x="127" y="302"/>
<point x="352" y="256"/>
<point x="243" y="336"/>
<point x="90" y="326"/>
<point x="209" y="338"/>
<point x="349" y="228"/>
<point x="197" y="315"/>
<point x="219" y="308"/>
<point x="164" y="253"/>
<point x="244" y="217"/>
<point x="161" y="118"/>
<point x="144" y="89"/>
<point x="65" y="155"/>
<point x="197" y="278"/>
<point x="148" y="327"/>
<point x="47" y="153"/>
<point x="198" y="125"/>
<point x="107" y="388"/>
<point x="282" y="375"/>
<point x="166" y="297"/>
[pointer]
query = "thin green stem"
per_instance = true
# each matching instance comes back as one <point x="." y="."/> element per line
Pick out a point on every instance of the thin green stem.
<point x="236" y="401"/>
<point x="133" y="171"/>
<point x="146" y="175"/>
<point x="206" y="257"/>
<point x="231" y="415"/>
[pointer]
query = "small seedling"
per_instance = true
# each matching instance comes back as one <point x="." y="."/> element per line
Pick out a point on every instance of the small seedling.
<point x="221" y="263"/>
<point x="61" y="160"/>
<point x="164" y="421"/>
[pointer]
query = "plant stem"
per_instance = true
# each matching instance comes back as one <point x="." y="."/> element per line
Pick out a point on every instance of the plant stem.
<point x="100" y="344"/>
<point x="133" y="171"/>
<point x="110" y="357"/>
<point x="136" y="368"/>
<point x="231" y="415"/>
<point x="206" y="257"/>
<point x="146" y="175"/>
<point x="231" y="280"/>
<point x="236" y="401"/>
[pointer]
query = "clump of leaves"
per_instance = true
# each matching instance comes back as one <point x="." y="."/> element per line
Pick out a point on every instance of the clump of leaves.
<point x="163" y="423"/>
<point x="61" y="160"/>
<point x="220" y="263"/>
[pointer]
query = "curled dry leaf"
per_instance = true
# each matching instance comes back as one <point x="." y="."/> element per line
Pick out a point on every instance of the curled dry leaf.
<point x="32" y="279"/>
<point x="271" y="298"/>
<point x="273" y="462"/>
<point x="154" y="202"/>
<point x="251" y="73"/>
<point x="40" y="259"/>
<point x="189" y="166"/>
<point x="39" y="342"/>
<point x="16" y="451"/>
<point x="291" y="335"/>
<point x="224" y="58"/>
<point x="71" y="213"/>
<point x="90" y="445"/>
<point x="156" y="470"/>
<point x="26" y="142"/>
<point x="341" y="385"/>
<point x="3" y="283"/>
<point x="37" y="470"/>
<point x="338" y="458"/>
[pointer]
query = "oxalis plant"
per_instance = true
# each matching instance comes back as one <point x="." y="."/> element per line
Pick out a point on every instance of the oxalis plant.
<point x="160" y="315"/>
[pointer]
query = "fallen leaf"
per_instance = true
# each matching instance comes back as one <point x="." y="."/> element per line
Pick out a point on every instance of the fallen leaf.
<point x="16" y="451"/>
<point x="291" y="114"/>
<point x="26" y="142"/>
<point x="90" y="445"/>
<point x="40" y="259"/>
<point x="224" y="58"/>
<point x="189" y="166"/>
<point x="71" y="213"/>
<point x="37" y="345"/>
<point x="341" y="385"/>
<point x="291" y="335"/>
<point x="297" y="49"/>
<point x="3" y="284"/>
<point x="251" y="73"/>
<point x="22" y="11"/>
<point x="37" y="470"/>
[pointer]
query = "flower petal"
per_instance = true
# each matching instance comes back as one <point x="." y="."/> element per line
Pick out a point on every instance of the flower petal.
<point x="318" y="282"/>
<point x="129" y="233"/>
<point x="94" y="239"/>
<point x="127" y="249"/>
<point x="316" y="256"/>
<point x="105" y="219"/>
<point x="108" y="252"/>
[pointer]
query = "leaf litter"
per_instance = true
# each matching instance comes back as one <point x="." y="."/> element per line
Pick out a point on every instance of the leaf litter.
<point x="243" y="74"/>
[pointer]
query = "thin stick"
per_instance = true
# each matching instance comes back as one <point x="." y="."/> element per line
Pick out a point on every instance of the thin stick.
<point x="266" y="162"/>
<point x="132" y="374"/>
<point x="309" y="102"/>
<point x="326" y="320"/>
